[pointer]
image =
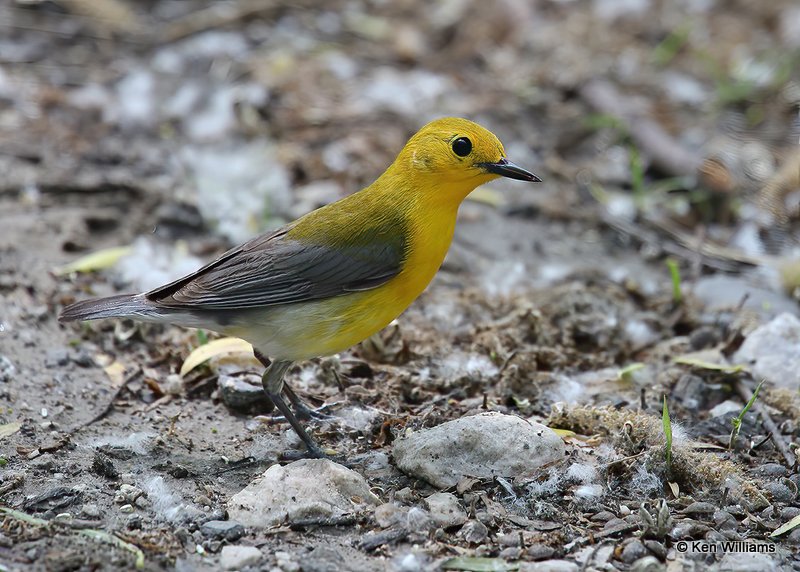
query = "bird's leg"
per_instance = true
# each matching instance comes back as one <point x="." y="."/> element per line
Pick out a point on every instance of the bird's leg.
<point x="272" y="381"/>
<point x="301" y="407"/>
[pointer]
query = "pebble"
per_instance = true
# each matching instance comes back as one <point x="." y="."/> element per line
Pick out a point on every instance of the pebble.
<point x="633" y="550"/>
<point x="510" y="553"/>
<point x="647" y="564"/>
<point x="780" y="492"/>
<point x="656" y="548"/>
<point x="484" y="445"/>
<point x="789" y="512"/>
<point x="58" y="357"/>
<point x="724" y="520"/>
<point x="700" y="508"/>
<point x="241" y="395"/>
<point x="237" y="557"/>
<point x="7" y="369"/>
<point x="90" y="510"/>
<point x="773" y="352"/>
<point x="306" y="491"/>
<point x="689" y="528"/>
<point x="540" y="551"/>
<point x="418" y="520"/>
<point x="474" y="532"/>
<point x="445" y="510"/>
<point x="794" y="537"/>
<point x="603" y="516"/>
<point x="286" y="562"/>
<point x="772" y="470"/>
<point x="227" y="529"/>
<point x="549" y="566"/>
<point x="389" y="514"/>
<point x="747" y="562"/>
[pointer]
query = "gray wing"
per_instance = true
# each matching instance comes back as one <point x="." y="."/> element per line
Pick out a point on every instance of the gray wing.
<point x="274" y="269"/>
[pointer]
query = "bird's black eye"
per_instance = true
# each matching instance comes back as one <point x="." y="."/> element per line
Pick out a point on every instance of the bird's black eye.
<point x="462" y="146"/>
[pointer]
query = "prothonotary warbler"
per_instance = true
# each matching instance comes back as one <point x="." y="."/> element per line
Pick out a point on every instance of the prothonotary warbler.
<point x="337" y="275"/>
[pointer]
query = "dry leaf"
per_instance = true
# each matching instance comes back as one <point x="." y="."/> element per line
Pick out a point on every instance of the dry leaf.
<point x="216" y="348"/>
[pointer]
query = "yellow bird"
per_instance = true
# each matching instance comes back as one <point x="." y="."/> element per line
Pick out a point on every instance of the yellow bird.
<point x="337" y="275"/>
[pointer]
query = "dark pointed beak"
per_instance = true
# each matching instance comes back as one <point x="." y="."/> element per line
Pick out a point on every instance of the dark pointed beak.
<point x="506" y="168"/>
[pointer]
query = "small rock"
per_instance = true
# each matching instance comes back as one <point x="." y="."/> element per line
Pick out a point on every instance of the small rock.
<point x="603" y="516"/>
<point x="418" y="520"/>
<point x="689" y="528"/>
<point x="700" y="508"/>
<point x="794" y="537"/>
<point x="7" y="369"/>
<point x="633" y="550"/>
<point x="772" y="470"/>
<point x="56" y="358"/>
<point x="510" y="553"/>
<point x="90" y="510"/>
<point x="549" y="566"/>
<point x="241" y="395"/>
<point x="724" y="520"/>
<point x="647" y="564"/>
<point x="286" y="562"/>
<point x="83" y="359"/>
<point x="306" y="491"/>
<point x="508" y="539"/>
<point x="483" y="445"/>
<point x="237" y="557"/>
<point x="703" y="338"/>
<point x="747" y="562"/>
<point x="780" y="492"/>
<point x="445" y="510"/>
<point x="789" y="512"/>
<point x="389" y="514"/>
<point x="656" y="548"/>
<point x="773" y="350"/>
<point x="474" y="532"/>
<point x="227" y="529"/>
<point x="540" y="551"/>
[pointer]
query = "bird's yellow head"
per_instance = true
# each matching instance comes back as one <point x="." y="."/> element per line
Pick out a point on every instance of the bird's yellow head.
<point x="456" y="155"/>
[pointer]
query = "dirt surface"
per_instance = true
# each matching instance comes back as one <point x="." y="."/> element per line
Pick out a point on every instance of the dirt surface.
<point x="664" y="131"/>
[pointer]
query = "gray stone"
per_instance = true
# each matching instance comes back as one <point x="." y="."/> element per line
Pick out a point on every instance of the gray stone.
<point x="306" y="491"/>
<point x="445" y="510"/>
<point x="483" y="446"/>
<point x="419" y="520"/>
<point x="773" y="352"/>
<point x="389" y="514"/>
<point x="780" y="492"/>
<point x="724" y="520"/>
<point x="656" y="548"/>
<point x="700" y="508"/>
<point x="647" y="564"/>
<point x="243" y="393"/>
<point x="57" y="357"/>
<point x="772" y="470"/>
<point x="789" y="512"/>
<point x="227" y="529"/>
<point x="747" y="562"/>
<point x="725" y="292"/>
<point x="633" y="550"/>
<point x="549" y="566"/>
<point x="474" y="532"/>
<point x="237" y="557"/>
<point x="539" y="551"/>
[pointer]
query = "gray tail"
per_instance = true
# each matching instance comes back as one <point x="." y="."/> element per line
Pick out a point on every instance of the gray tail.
<point x="125" y="305"/>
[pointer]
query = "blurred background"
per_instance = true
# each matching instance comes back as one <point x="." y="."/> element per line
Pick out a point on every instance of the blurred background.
<point x="139" y="139"/>
<point x="675" y="123"/>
